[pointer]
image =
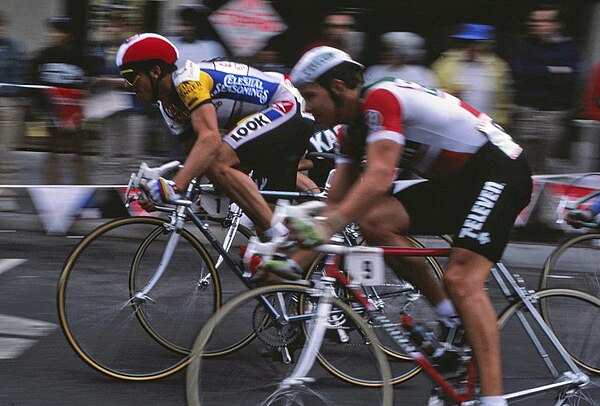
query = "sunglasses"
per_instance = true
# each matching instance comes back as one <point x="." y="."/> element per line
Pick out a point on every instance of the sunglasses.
<point x="130" y="76"/>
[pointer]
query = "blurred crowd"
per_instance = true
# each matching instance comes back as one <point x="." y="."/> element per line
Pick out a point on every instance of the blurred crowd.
<point x="73" y="101"/>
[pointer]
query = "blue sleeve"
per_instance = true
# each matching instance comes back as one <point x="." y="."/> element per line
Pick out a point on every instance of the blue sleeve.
<point x="595" y="207"/>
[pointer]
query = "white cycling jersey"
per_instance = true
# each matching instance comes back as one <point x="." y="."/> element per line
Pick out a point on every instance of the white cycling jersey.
<point x="439" y="132"/>
<point x="236" y="90"/>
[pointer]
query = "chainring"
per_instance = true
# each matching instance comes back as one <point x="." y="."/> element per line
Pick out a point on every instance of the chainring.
<point x="271" y="332"/>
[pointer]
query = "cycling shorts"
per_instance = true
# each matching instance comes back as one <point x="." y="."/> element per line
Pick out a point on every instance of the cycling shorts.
<point x="270" y="143"/>
<point x="478" y="205"/>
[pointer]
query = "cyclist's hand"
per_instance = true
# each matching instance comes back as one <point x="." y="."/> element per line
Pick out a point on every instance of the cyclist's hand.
<point x="313" y="231"/>
<point x="162" y="191"/>
<point x="577" y="218"/>
<point x="147" y="204"/>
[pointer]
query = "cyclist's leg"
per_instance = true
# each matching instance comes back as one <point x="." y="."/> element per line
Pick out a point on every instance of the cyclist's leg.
<point x="273" y="149"/>
<point x="386" y="224"/>
<point x="464" y="279"/>
<point x="239" y="187"/>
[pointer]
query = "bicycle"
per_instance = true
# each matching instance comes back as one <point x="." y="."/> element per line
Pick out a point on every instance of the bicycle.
<point x="584" y="249"/>
<point x="456" y="385"/>
<point x="134" y="291"/>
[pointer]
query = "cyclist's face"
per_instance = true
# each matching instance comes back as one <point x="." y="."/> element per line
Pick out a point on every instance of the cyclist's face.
<point x="320" y="104"/>
<point x="139" y="83"/>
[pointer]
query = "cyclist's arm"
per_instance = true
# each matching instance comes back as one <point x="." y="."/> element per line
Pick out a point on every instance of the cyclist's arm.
<point x="305" y="184"/>
<point x="204" y="148"/>
<point x="595" y="207"/>
<point x="345" y="176"/>
<point x="376" y="180"/>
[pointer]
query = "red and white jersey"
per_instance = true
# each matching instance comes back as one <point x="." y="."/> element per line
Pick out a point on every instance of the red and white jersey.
<point x="439" y="132"/>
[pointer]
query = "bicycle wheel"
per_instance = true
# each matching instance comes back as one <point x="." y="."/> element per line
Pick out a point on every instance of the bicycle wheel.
<point x="394" y="297"/>
<point x="230" y="286"/>
<point x="127" y="337"/>
<point x="252" y="375"/>
<point x="574" y="264"/>
<point x="575" y="318"/>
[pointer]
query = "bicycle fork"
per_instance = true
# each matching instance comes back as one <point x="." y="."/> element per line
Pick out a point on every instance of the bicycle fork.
<point x="173" y="228"/>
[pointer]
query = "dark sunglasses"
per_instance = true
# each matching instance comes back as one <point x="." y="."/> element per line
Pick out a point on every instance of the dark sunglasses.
<point x="130" y="76"/>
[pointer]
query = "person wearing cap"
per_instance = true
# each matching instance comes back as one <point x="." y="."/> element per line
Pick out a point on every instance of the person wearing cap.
<point x="402" y="55"/>
<point x="267" y="129"/>
<point x="472" y="71"/>
<point x="475" y="182"/>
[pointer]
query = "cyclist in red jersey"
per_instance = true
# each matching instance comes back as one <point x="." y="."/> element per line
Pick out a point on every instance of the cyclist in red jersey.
<point x="475" y="182"/>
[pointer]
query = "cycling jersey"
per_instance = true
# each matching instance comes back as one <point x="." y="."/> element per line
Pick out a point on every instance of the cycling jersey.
<point x="236" y="90"/>
<point x="477" y="179"/>
<point x="439" y="132"/>
<point x="261" y="111"/>
<point x="322" y="141"/>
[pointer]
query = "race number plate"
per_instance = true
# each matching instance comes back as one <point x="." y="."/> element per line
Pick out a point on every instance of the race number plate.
<point x="365" y="266"/>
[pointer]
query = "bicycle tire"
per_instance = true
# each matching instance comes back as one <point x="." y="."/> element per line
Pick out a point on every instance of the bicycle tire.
<point x="574" y="264"/>
<point x="242" y="232"/>
<point x="99" y="324"/>
<point x="393" y="297"/>
<point x="572" y="315"/>
<point x="204" y="386"/>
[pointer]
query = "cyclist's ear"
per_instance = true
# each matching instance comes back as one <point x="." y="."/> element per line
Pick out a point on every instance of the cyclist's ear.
<point x="155" y="71"/>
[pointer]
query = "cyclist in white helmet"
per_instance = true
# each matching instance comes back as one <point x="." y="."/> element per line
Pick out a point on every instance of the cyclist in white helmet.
<point x="267" y="130"/>
<point x="476" y="181"/>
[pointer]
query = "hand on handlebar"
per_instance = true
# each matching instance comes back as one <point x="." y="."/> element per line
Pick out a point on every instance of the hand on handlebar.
<point x="579" y="218"/>
<point x="161" y="191"/>
<point x="310" y="232"/>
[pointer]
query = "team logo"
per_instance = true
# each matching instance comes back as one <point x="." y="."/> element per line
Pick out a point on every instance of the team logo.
<point x="373" y="120"/>
<point x="250" y="125"/>
<point x="284" y="106"/>
<point x="473" y="225"/>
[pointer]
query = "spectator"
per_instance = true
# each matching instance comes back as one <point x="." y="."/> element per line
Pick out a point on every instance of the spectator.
<point x="339" y="31"/>
<point x="401" y="57"/>
<point x="64" y="67"/>
<point x="591" y="95"/>
<point x="546" y="68"/>
<point x="474" y="73"/>
<point x="270" y="58"/>
<point x="11" y="105"/>
<point x="121" y="122"/>
<point x="196" y="40"/>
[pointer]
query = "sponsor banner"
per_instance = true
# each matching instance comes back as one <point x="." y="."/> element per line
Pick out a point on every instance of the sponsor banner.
<point x="246" y="25"/>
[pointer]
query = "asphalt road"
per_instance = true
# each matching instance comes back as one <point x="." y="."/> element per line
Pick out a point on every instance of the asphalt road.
<point x="37" y="366"/>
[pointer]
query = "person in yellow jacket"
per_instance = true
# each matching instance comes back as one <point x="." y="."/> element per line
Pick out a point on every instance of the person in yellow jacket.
<point x="475" y="74"/>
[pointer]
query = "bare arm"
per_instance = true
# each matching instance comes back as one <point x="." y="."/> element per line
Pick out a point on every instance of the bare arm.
<point x="345" y="176"/>
<point x="382" y="159"/>
<point x="206" y="145"/>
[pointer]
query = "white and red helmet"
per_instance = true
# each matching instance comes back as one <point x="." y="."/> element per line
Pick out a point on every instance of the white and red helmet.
<point x="146" y="47"/>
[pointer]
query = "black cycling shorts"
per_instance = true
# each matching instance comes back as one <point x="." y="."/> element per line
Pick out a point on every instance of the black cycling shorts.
<point x="270" y="144"/>
<point x="478" y="205"/>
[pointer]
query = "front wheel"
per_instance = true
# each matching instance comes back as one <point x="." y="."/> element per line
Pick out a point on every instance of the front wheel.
<point x="106" y="320"/>
<point x="264" y="372"/>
